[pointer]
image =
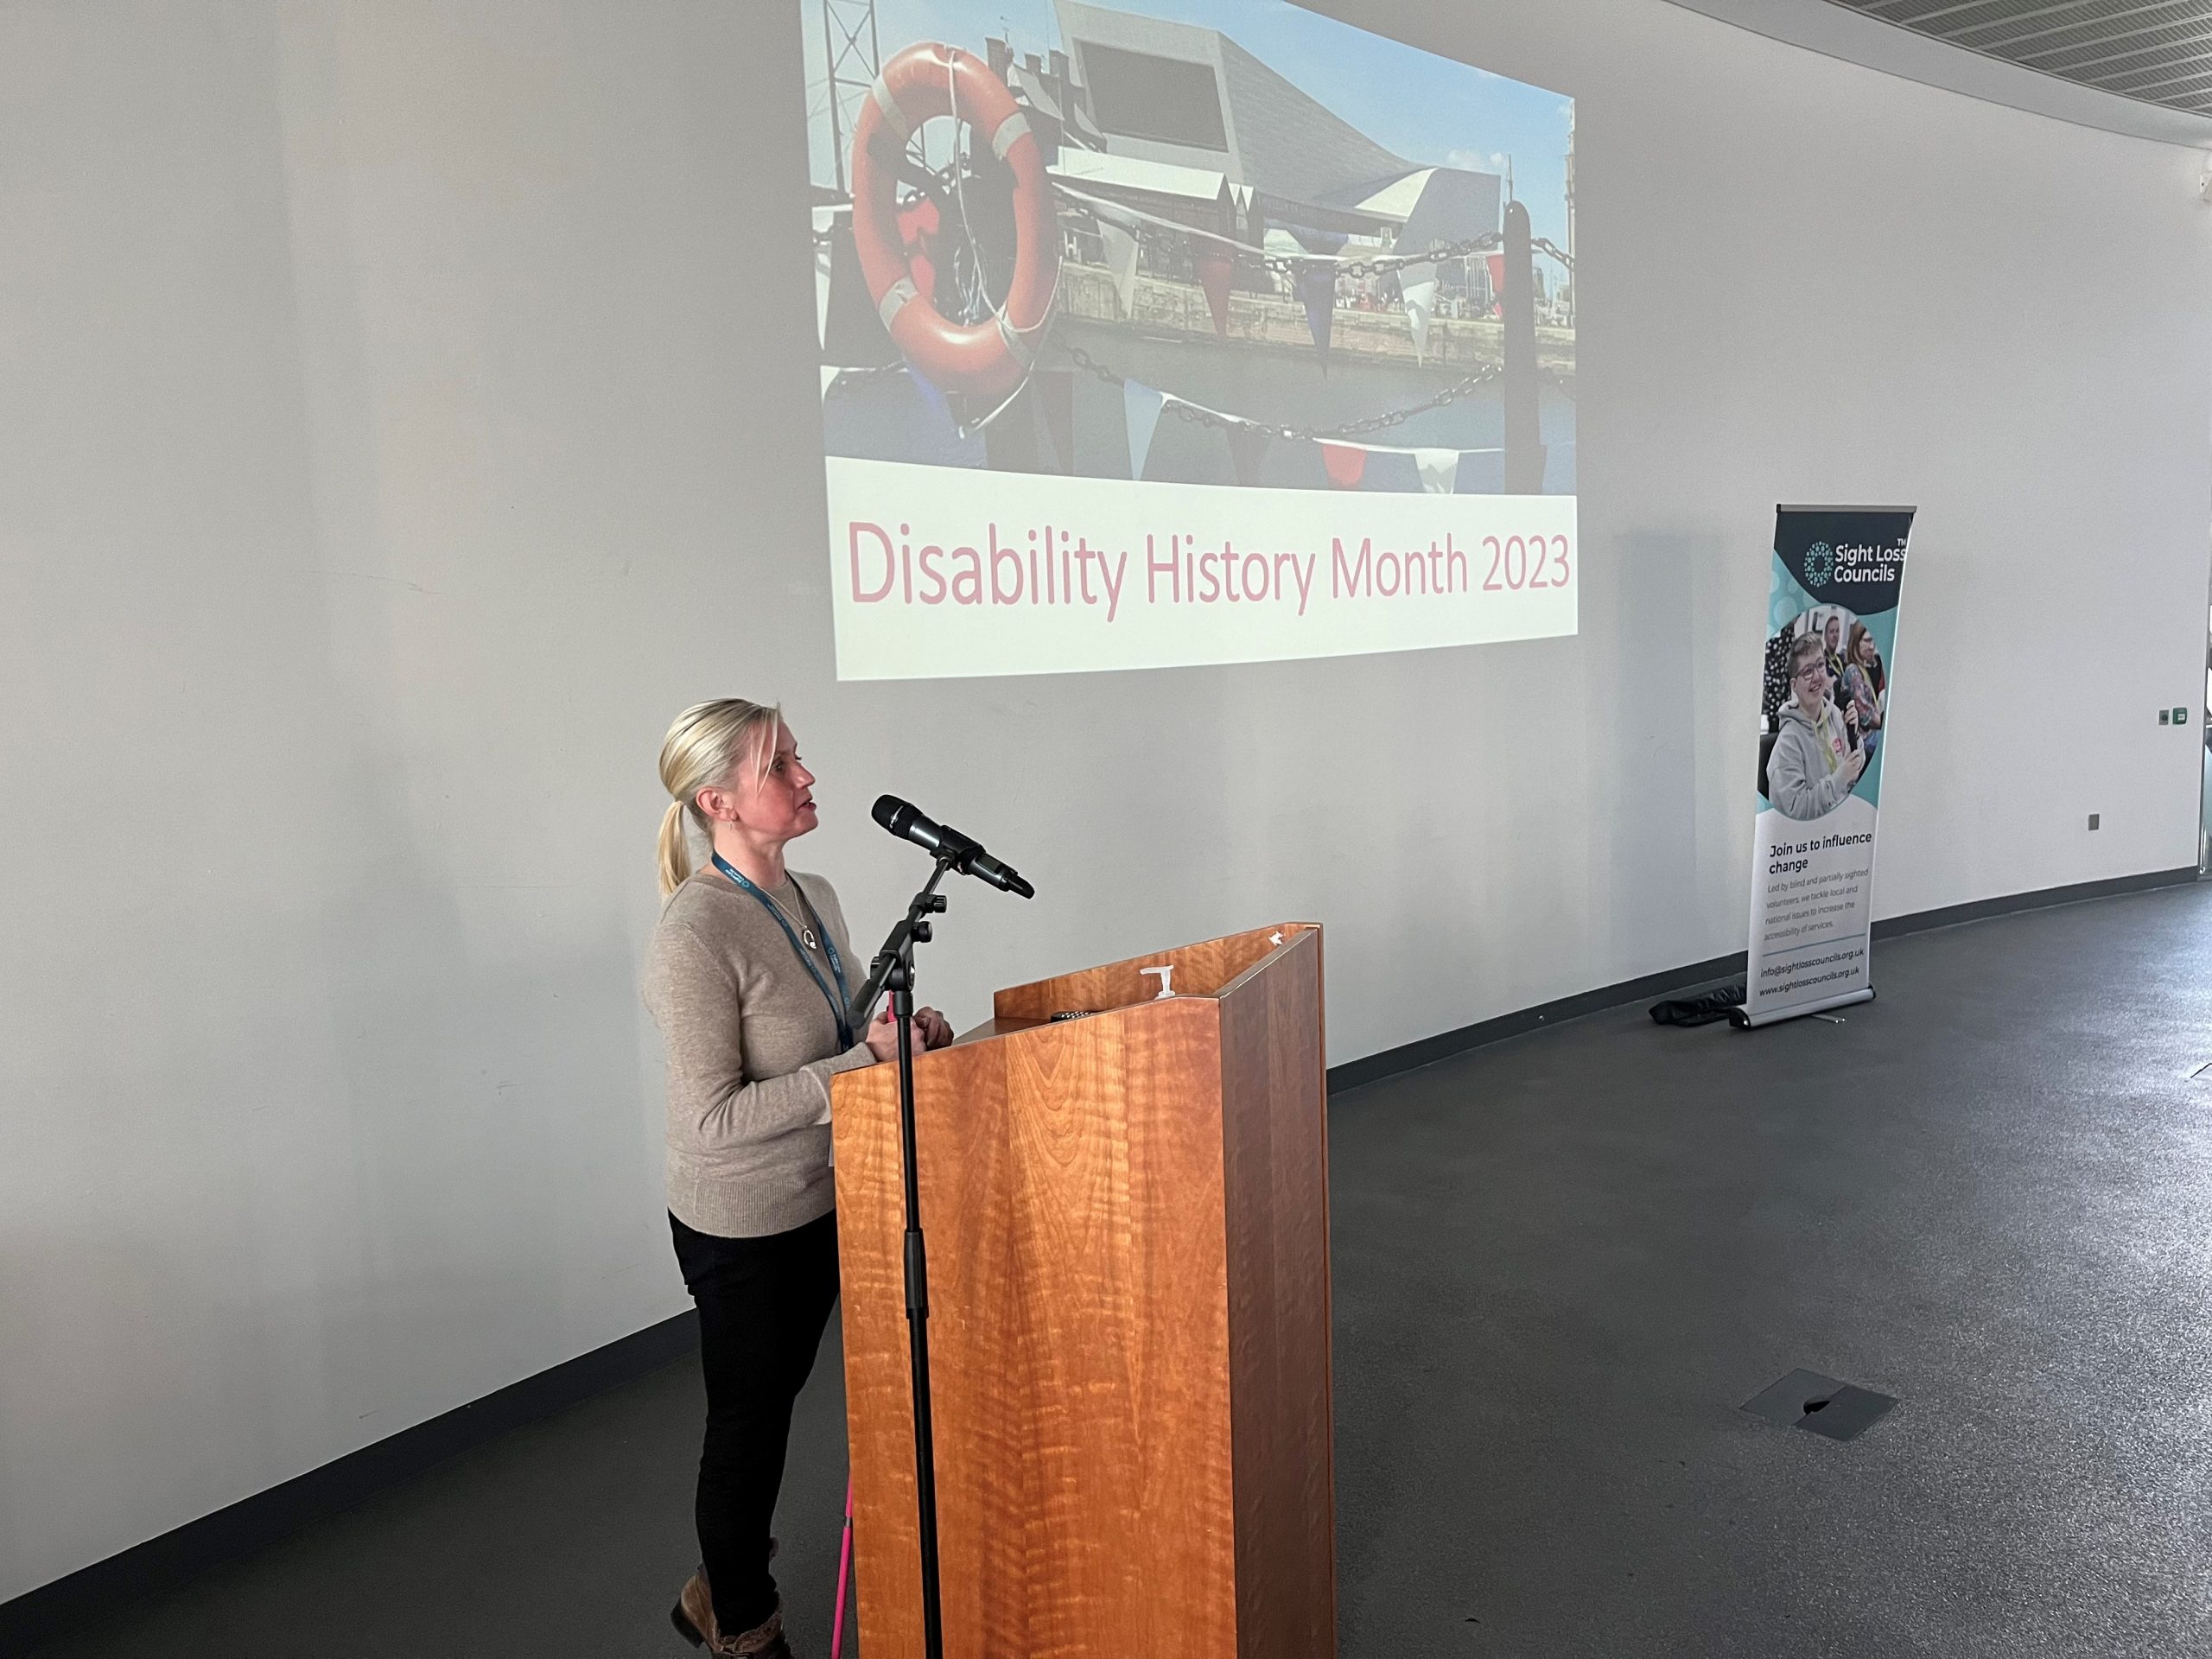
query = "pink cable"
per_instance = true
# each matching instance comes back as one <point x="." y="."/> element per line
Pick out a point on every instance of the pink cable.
<point x="844" y="1576"/>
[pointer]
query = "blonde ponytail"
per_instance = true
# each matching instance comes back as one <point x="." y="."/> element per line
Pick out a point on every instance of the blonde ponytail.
<point x="675" y="850"/>
<point x="704" y="747"/>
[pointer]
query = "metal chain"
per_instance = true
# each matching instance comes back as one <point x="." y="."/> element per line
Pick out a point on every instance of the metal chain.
<point x="1296" y="265"/>
<point x="1292" y="264"/>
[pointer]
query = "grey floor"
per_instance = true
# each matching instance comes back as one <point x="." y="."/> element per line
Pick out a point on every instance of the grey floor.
<point x="1562" y="1263"/>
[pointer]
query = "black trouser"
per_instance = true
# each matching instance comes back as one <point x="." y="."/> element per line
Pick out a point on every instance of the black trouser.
<point x="763" y="1306"/>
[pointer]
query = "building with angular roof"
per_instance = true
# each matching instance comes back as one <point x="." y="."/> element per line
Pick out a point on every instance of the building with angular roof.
<point x="1159" y="94"/>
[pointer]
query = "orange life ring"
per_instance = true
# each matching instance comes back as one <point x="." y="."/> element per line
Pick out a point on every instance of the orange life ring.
<point x="921" y="83"/>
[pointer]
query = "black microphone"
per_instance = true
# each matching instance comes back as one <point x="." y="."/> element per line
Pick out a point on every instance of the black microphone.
<point x="964" y="853"/>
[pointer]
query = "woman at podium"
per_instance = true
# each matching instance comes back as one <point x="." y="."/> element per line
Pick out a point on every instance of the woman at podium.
<point x="749" y="979"/>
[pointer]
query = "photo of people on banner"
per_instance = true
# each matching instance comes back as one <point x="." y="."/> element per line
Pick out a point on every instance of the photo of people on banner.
<point x="1188" y="241"/>
<point x="1826" y="694"/>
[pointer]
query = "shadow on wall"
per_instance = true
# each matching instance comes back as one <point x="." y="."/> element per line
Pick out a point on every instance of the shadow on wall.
<point x="1651" y="781"/>
<point x="457" y="1189"/>
<point x="492" y="1135"/>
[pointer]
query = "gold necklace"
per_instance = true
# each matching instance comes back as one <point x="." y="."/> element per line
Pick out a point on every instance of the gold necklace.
<point x="806" y="934"/>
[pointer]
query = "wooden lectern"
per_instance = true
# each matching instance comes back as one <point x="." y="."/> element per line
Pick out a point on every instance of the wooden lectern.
<point x="1128" y="1268"/>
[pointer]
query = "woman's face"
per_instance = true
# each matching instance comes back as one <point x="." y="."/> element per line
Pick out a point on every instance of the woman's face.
<point x="780" y="805"/>
<point x="1866" y="650"/>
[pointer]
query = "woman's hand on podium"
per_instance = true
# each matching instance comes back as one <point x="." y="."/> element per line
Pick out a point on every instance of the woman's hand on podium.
<point x="935" y="1029"/>
<point x="929" y="1027"/>
<point x="883" y="1035"/>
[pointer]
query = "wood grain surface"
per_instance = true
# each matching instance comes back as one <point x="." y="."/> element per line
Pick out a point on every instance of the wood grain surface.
<point x="1200" y="971"/>
<point x="1078" y="1338"/>
<point x="1086" y="1262"/>
<point x="1275" y="1188"/>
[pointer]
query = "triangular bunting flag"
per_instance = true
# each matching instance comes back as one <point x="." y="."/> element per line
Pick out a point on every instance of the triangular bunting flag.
<point x="1248" y="448"/>
<point x="1121" y="263"/>
<point x="1346" y="464"/>
<point x="1142" y="404"/>
<point x="1052" y="391"/>
<point x="1438" y="468"/>
<point x="1215" y="267"/>
<point x="1317" y="287"/>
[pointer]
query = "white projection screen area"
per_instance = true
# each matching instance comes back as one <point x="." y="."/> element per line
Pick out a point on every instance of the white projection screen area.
<point x="1183" y="332"/>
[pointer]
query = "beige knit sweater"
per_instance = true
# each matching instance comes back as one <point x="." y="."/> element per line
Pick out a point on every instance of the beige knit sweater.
<point x="751" y="1045"/>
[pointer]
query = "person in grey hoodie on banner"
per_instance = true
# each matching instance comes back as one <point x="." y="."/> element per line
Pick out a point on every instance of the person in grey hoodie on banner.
<point x="1814" y="762"/>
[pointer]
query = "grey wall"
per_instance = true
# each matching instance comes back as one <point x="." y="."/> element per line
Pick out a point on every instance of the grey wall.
<point x="405" y="407"/>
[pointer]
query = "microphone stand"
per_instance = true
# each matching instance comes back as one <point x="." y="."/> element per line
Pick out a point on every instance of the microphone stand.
<point x="894" y="970"/>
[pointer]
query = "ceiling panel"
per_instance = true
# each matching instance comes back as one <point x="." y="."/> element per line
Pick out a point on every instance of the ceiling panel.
<point x="2157" y="52"/>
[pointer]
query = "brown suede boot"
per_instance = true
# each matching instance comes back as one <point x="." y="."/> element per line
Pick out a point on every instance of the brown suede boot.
<point x="694" y="1619"/>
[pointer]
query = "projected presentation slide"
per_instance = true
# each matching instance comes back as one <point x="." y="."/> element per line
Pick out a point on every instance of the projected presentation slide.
<point x="1182" y="332"/>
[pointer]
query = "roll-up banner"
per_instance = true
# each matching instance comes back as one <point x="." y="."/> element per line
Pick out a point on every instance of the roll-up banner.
<point x="1824" y="725"/>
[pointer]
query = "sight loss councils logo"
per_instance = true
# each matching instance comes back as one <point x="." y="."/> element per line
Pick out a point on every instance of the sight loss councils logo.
<point x="1820" y="565"/>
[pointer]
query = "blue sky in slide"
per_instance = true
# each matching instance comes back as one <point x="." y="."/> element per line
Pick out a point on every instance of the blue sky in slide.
<point x="1426" y="108"/>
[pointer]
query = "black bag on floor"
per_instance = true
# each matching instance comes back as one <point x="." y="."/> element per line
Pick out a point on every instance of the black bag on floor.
<point x="1698" y="1010"/>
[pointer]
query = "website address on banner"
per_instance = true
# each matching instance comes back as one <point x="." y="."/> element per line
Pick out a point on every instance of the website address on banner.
<point x="1802" y="975"/>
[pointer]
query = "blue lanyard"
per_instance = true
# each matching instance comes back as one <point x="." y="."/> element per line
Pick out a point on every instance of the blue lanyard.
<point x="838" y="999"/>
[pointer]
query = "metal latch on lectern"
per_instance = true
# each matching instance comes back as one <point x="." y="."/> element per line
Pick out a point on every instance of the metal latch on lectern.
<point x="1167" y="979"/>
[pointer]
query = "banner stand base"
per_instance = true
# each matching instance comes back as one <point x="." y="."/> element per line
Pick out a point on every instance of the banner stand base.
<point x="1744" y="1022"/>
